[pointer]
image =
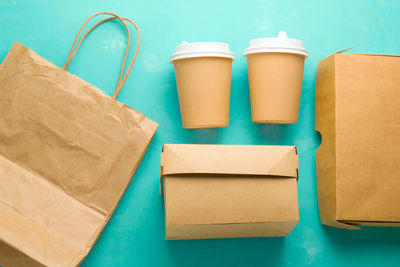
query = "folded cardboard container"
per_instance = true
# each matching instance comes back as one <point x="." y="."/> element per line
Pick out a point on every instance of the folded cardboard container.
<point x="225" y="191"/>
<point x="358" y="161"/>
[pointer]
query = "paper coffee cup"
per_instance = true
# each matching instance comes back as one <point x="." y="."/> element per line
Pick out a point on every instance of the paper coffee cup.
<point x="275" y="69"/>
<point x="203" y="79"/>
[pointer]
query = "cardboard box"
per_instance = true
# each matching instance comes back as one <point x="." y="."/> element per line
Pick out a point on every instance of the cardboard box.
<point x="358" y="162"/>
<point x="225" y="191"/>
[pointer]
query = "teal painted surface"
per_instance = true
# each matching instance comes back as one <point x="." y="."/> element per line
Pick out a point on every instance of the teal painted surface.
<point x="135" y="234"/>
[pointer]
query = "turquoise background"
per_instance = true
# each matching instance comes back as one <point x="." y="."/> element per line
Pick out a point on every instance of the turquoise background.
<point x="135" y="234"/>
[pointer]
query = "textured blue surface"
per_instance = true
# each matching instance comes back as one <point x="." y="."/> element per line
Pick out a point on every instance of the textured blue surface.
<point x="135" y="234"/>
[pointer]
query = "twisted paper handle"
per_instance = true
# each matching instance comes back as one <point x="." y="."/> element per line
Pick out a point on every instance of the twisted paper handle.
<point x="122" y="78"/>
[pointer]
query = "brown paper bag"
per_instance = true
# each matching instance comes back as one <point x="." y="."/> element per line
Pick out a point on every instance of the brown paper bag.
<point x="67" y="154"/>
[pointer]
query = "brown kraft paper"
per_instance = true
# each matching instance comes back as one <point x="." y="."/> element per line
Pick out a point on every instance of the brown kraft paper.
<point x="204" y="87"/>
<point x="67" y="154"/>
<point x="228" y="191"/>
<point x="358" y="165"/>
<point x="275" y="86"/>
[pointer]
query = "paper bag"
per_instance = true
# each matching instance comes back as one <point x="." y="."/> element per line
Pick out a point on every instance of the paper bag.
<point x="67" y="154"/>
<point x="229" y="191"/>
<point x="358" y="161"/>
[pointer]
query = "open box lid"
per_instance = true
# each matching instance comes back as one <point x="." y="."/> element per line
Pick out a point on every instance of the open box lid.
<point x="229" y="159"/>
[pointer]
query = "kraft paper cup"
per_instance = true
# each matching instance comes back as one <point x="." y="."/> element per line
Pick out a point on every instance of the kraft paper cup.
<point x="203" y="78"/>
<point x="275" y="70"/>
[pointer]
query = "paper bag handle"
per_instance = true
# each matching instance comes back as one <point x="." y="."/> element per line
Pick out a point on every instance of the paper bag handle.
<point x="73" y="51"/>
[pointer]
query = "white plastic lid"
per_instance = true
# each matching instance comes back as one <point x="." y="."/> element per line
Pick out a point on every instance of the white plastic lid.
<point x="202" y="49"/>
<point x="280" y="44"/>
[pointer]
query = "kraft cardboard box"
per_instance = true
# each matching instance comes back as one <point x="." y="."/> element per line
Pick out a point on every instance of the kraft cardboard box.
<point x="226" y="191"/>
<point x="358" y="161"/>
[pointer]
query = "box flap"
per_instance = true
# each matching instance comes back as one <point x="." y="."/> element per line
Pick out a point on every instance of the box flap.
<point x="229" y="159"/>
<point x="344" y="52"/>
<point x="371" y="223"/>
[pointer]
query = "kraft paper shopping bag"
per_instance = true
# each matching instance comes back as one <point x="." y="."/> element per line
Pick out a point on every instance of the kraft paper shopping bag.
<point x="67" y="154"/>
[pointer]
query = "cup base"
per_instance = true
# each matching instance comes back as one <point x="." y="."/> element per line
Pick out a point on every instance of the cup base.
<point x="205" y="126"/>
<point x="275" y="121"/>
